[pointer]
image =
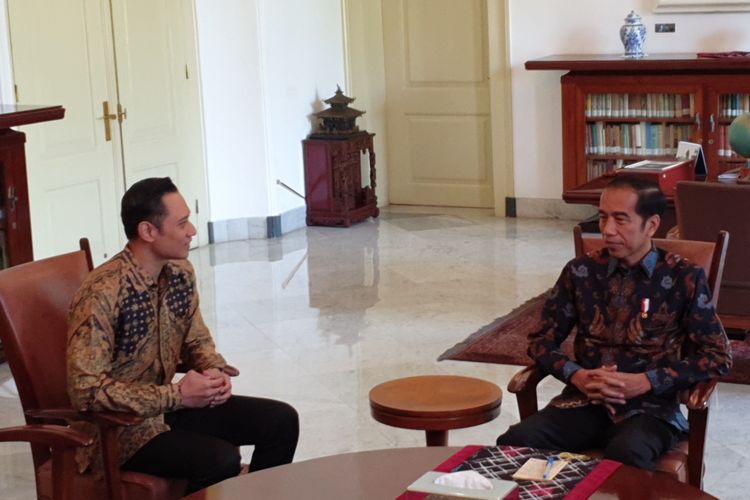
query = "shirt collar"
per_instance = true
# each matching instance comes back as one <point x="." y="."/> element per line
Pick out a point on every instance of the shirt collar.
<point x="142" y="275"/>
<point x="647" y="263"/>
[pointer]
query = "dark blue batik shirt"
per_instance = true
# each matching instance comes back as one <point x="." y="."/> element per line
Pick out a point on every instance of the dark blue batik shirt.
<point x="677" y="341"/>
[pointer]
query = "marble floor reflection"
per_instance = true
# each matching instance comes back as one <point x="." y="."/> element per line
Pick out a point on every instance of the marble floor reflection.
<point x="321" y="315"/>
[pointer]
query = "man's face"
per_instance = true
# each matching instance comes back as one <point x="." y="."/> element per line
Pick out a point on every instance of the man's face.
<point x="172" y="239"/>
<point x="623" y="230"/>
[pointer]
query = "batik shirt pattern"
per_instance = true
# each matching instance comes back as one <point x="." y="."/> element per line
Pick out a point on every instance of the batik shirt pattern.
<point x="678" y="341"/>
<point x="126" y="335"/>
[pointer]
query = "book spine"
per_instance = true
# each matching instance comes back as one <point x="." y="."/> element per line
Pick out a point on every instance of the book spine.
<point x="639" y="138"/>
<point x="626" y="105"/>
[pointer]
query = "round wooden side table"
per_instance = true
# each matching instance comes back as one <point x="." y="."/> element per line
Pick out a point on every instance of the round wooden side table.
<point x="435" y="404"/>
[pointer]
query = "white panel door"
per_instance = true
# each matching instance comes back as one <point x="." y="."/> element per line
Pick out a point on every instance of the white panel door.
<point x="159" y="89"/>
<point x="438" y="104"/>
<point x="61" y="55"/>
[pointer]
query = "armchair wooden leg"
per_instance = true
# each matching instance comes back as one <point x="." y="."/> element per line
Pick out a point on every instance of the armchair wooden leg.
<point x="63" y="469"/>
<point x="527" y="403"/>
<point x="698" y="420"/>
<point x="108" y="437"/>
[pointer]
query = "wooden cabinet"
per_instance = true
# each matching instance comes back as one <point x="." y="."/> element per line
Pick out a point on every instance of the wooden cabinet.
<point x="334" y="190"/>
<point x="616" y="111"/>
<point x="15" y="221"/>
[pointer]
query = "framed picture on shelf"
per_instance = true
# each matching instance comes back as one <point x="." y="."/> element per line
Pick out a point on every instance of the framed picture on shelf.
<point x="692" y="151"/>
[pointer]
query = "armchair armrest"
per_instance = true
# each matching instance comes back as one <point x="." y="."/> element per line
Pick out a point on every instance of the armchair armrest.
<point x="526" y="380"/>
<point x="700" y="394"/>
<point x="107" y="422"/>
<point x="697" y="403"/>
<point x="100" y="418"/>
<point x="523" y="385"/>
<point x="54" y="436"/>
<point x="61" y="442"/>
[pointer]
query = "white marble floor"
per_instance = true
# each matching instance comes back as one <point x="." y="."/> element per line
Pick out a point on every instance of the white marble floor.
<point x="320" y="316"/>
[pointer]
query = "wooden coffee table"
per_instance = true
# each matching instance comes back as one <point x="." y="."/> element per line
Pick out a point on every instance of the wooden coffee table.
<point x="385" y="474"/>
<point x="435" y="404"/>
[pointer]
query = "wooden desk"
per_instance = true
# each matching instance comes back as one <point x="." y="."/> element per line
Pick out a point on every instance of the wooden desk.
<point x="385" y="474"/>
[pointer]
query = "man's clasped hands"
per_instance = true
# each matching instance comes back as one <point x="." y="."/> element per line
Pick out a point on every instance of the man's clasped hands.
<point x="210" y="387"/>
<point x="606" y="386"/>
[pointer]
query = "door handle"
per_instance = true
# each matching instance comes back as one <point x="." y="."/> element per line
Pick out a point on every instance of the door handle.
<point x="107" y="116"/>
<point x="122" y="113"/>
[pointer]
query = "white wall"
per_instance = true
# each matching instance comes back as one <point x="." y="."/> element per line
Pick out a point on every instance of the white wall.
<point x="265" y="66"/>
<point x="302" y="50"/>
<point x="543" y="27"/>
<point x="233" y="107"/>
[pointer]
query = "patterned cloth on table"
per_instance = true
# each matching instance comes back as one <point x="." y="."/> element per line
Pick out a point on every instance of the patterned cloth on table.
<point x="501" y="462"/>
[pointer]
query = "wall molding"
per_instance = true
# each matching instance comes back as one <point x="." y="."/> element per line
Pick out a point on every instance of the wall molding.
<point x="672" y="6"/>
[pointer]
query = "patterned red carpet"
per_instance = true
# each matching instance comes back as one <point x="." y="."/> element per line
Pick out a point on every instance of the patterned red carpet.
<point x="504" y="341"/>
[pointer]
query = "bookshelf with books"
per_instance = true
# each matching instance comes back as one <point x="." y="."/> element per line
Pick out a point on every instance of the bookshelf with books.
<point x="618" y="111"/>
<point x="729" y="102"/>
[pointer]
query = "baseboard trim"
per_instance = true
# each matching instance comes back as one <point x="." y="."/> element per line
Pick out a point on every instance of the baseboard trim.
<point x="542" y="208"/>
<point x="510" y="206"/>
<point x="256" y="228"/>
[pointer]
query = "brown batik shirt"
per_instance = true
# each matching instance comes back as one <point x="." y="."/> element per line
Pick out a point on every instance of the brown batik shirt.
<point x="126" y="334"/>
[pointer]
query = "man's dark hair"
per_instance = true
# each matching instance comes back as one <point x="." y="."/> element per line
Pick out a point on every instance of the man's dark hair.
<point x="651" y="201"/>
<point x="143" y="202"/>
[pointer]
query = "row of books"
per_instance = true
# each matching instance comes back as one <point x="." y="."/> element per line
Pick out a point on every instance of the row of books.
<point x="637" y="105"/>
<point x="597" y="168"/>
<point x="643" y="138"/>
<point x="733" y="104"/>
<point x="724" y="149"/>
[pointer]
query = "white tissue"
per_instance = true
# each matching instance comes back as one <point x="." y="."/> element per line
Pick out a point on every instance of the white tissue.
<point x="467" y="479"/>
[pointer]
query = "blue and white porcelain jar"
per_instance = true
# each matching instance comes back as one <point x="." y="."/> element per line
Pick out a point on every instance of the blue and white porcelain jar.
<point x="633" y="34"/>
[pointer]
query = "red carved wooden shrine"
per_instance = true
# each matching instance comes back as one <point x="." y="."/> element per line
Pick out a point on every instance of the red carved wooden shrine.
<point x="333" y="180"/>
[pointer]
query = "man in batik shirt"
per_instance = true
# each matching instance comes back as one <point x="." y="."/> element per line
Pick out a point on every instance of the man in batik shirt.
<point x="133" y="320"/>
<point x="634" y="307"/>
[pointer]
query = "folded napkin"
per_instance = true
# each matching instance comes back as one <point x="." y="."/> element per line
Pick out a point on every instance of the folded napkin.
<point x="467" y="479"/>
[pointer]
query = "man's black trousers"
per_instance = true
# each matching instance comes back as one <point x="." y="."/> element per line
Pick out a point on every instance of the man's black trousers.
<point x="638" y="440"/>
<point x="202" y="443"/>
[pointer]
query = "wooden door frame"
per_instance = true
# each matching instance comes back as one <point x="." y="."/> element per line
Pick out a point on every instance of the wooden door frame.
<point x="372" y="91"/>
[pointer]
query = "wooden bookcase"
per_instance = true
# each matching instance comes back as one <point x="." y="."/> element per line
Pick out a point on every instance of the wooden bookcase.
<point x="617" y="111"/>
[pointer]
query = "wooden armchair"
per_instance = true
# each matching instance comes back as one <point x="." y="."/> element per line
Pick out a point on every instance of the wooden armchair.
<point x="684" y="462"/>
<point x="34" y="302"/>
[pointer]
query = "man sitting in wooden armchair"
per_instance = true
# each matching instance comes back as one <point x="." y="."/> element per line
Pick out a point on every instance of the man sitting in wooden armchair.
<point x="133" y="319"/>
<point x="633" y="306"/>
